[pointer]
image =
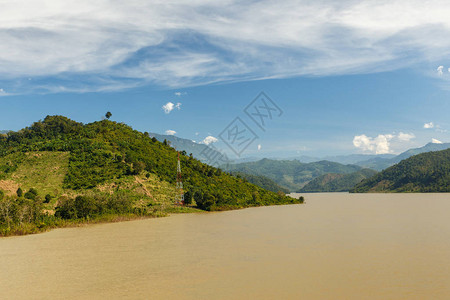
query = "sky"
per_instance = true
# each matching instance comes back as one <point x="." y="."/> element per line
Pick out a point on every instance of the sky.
<point x="338" y="77"/>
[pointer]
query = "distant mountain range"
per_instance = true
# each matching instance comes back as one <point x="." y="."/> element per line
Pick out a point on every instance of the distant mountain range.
<point x="425" y="172"/>
<point x="379" y="163"/>
<point x="291" y="174"/>
<point x="305" y="173"/>
<point x="189" y="146"/>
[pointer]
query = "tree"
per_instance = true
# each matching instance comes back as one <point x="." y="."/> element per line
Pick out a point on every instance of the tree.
<point x="108" y="115"/>
<point x="1" y="194"/>
<point x="187" y="197"/>
<point x="198" y="196"/>
<point x="19" y="192"/>
<point x="85" y="206"/>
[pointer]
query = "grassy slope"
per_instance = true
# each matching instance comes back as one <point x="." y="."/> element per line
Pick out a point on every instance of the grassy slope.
<point x="45" y="171"/>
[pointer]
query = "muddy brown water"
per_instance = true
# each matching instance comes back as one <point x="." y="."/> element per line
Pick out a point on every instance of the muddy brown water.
<point x="336" y="246"/>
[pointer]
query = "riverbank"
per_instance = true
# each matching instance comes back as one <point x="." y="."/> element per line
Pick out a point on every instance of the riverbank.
<point x="49" y="222"/>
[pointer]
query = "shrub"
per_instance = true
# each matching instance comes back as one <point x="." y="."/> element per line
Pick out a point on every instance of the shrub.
<point x="19" y="192"/>
<point x="48" y="198"/>
<point x="31" y="194"/>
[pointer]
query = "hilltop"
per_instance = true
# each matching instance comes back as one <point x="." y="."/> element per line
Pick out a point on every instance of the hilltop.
<point x="106" y="168"/>
<point x="425" y="172"/>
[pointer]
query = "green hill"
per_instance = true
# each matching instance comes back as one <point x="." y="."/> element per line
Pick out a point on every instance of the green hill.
<point x="426" y="172"/>
<point x="333" y="182"/>
<point x="84" y="171"/>
<point x="292" y="174"/>
<point x="262" y="181"/>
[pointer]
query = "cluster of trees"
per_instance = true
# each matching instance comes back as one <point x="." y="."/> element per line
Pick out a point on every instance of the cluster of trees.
<point x="91" y="206"/>
<point x="25" y="209"/>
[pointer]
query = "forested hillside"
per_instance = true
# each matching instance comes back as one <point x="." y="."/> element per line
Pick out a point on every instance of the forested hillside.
<point x="333" y="182"/>
<point x="83" y="171"/>
<point x="426" y="172"/>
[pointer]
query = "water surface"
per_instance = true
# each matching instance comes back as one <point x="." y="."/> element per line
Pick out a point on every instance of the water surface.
<point x="336" y="246"/>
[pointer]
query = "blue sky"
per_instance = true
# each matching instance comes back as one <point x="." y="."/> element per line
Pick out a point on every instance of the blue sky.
<point x="350" y="77"/>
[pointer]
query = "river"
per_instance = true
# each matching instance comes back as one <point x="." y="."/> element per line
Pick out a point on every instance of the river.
<point x="336" y="246"/>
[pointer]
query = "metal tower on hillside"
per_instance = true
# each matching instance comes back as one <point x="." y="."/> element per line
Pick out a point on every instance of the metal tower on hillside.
<point x="179" y="193"/>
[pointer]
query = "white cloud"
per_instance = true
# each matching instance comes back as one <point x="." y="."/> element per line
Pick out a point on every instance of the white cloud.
<point x="259" y="147"/>
<point x="169" y="106"/>
<point x="378" y="145"/>
<point x="209" y="140"/>
<point x="435" y="141"/>
<point x="428" y="125"/>
<point x="440" y="70"/>
<point x="405" y="137"/>
<point x="179" y="94"/>
<point x="170" y="132"/>
<point x="115" y="45"/>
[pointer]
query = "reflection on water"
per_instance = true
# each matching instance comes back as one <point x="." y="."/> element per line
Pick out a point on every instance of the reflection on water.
<point x="336" y="246"/>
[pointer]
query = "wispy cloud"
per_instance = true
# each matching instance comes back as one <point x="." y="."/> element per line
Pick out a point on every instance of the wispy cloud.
<point x="118" y="45"/>
<point x="170" y="132"/>
<point x="435" y="141"/>
<point x="405" y="137"/>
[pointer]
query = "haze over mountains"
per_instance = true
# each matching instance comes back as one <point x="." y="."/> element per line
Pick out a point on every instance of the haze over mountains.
<point x="306" y="173"/>
<point x="371" y="161"/>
